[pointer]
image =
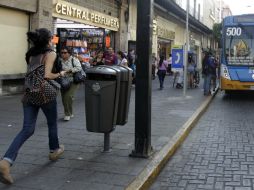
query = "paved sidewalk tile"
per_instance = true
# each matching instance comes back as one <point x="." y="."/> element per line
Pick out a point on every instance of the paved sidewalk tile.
<point x="83" y="165"/>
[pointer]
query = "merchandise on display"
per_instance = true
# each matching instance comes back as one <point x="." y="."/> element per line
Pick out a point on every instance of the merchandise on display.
<point x="85" y="42"/>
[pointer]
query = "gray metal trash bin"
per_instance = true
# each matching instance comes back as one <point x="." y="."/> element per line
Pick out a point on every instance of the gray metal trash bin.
<point x="102" y="88"/>
<point x="124" y="95"/>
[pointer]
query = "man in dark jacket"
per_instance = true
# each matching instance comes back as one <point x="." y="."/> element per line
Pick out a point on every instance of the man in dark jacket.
<point x="208" y="70"/>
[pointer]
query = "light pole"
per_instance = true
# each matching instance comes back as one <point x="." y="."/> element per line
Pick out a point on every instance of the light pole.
<point x="186" y="50"/>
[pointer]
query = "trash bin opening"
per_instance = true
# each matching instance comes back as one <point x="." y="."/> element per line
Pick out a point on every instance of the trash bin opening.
<point x="102" y="77"/>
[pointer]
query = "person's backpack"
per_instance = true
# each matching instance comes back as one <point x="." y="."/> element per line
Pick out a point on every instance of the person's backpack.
<point x="209" y="66"/>
<point x="205" y="69"/>
<point x="38" y="90"/>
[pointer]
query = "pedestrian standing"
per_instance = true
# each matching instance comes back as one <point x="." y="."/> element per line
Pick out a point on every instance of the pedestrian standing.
<point x="170" y="64"/>
<point x="122" y="59"/>
<point x="208" y="67"/>
<point x="110" y="57"/>
<point x="99" y="60"/>
<point x="191" y="68"/>
<point x="132" y="64"/>
<point x="214" y="74"/>
<point x="162" y="70"/>
<point x="154" y="63"/>
<point x="71" y="65"/>
<point x="40" y="54"/>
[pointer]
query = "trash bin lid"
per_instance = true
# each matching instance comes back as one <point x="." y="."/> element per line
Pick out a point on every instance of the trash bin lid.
<point x="125" y="72"/>
<point x="101" y="70"/>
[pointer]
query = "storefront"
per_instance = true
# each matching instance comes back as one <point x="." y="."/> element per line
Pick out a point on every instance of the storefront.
<point x="165" y="41"/>
<point x="163" y="36"/>
<point x="84" y="30"/>
<point x="167" y="33"/>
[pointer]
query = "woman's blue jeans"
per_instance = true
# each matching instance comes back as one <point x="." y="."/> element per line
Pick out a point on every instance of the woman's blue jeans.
<point x="161" y="76"/>
<point x="30" y="116"/>
<point x="207" y="84"/>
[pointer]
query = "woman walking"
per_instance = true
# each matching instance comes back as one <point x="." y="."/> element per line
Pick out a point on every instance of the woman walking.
<point x="162" y="70"/>
<point x="71" y="65"/>
<point x="40" y="58"/>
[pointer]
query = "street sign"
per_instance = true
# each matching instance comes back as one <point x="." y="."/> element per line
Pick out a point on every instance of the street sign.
<point x="177" y="58"/>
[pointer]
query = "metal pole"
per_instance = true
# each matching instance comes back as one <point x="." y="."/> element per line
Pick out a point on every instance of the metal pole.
<point x="186" y="49"/>
<point x="106" y="143"/>
<point x="143" y="79"/>
<point x="220" y="12"/>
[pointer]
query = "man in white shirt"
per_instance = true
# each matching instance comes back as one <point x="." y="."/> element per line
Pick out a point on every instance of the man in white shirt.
<point x="169" y="64"/>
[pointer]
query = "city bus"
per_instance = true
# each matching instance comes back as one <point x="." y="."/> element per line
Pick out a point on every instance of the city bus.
<point x="237" y="56"/>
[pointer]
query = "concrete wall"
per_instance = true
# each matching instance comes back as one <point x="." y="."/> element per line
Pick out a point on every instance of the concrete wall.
<point x="24" y="5"/>
<point x="132" y="20"/>
<point x="43" y="17"/>
<point x="122" y="34"/>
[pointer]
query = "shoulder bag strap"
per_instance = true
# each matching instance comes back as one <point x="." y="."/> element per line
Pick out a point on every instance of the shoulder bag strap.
<point x="72" y="62"/>
<point x="41" y="64"/>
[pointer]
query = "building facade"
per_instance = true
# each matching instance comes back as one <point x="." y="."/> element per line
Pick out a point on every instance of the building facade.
<point x="89" y="25"/>
<point x="172" y="24"/>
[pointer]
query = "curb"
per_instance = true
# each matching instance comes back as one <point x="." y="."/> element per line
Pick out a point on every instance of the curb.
<point x="148" y="175"/>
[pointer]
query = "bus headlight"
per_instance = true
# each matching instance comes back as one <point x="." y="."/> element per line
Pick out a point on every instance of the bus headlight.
<point x="224" y="72"/>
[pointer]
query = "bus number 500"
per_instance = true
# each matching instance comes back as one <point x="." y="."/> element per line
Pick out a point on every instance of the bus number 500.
<point x="234" y="31"/>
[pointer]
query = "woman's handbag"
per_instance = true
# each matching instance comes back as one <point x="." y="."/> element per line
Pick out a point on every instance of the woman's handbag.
<point x="64" y="82"/>
<point x="79" y="77"/>
<point x="39" y="90"/>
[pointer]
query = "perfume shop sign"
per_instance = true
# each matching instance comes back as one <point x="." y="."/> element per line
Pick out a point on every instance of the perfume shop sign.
<point x="76" y="13"/>
<point x="165" y="33"/>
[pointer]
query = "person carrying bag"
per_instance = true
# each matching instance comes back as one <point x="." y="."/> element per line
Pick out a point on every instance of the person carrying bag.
<point x="71" y="65"/>
<point x="64" y="81"/>
<point x="40" y="93"/>
<point x="78" y="76"/>
<point x="39" y="90"/>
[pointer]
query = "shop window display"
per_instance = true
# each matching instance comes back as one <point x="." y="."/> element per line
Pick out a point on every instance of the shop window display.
<point x="85" y="42"/>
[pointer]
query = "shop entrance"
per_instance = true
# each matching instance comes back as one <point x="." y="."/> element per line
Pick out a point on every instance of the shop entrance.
<point x="85" y="40"/>
<point x="164" y="48"/>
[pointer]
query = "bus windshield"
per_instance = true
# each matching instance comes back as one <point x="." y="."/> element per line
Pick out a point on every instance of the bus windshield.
<point x="239" y="45"/>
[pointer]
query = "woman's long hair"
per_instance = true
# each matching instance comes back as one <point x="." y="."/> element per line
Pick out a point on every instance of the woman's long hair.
<point x="161" y="60"/>
<point x="39" y="39"/>
<point x="122" y="55"/>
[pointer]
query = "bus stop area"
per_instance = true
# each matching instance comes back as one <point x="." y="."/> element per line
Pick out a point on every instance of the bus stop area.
<point x="84" y="165"/>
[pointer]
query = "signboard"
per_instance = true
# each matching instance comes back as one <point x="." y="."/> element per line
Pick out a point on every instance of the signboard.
<point x="107" y="40"/>
<point x="55" y="39"/>
<point x="165" y="33"/>
<point x="69" y="11"/>
<point x="177" y="58"/>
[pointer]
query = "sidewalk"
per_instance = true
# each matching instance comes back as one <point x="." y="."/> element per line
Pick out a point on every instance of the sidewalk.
<point x="83" y="165"/>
